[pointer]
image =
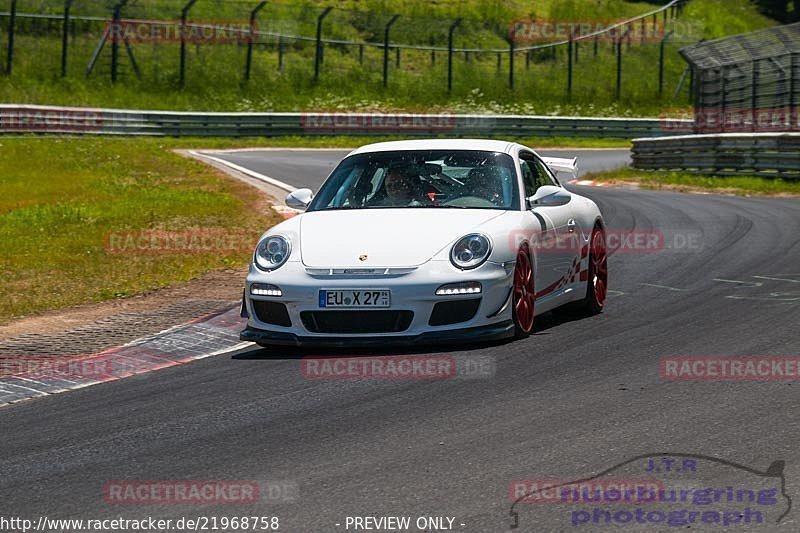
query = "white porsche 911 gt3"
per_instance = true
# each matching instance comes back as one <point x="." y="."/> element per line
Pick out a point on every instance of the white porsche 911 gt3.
<point x="427" y="241"/>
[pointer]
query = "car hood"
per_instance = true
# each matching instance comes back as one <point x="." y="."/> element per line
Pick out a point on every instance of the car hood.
<point x="383" y="237"/>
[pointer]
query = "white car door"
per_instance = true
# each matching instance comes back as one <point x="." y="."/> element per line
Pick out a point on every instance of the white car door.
<point x="556" y="249"/>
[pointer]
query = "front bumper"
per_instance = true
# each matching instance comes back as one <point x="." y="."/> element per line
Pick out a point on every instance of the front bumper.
<point x="412" y="290"/>
<point x="499" y="331"/>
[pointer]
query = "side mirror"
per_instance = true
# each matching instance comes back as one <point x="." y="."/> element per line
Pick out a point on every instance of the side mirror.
<point x="549" y="196"/>
<point x="299" y="199"/>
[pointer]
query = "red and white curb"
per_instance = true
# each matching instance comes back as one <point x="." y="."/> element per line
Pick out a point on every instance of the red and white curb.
<point x="283" y="210"/>
<point x="244" y="170"/>
<point x="591" y="183"/>
<point x="286" y="211"/>
<point x="23" y="378"/>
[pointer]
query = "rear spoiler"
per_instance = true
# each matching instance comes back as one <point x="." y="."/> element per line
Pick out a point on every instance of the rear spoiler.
<point x="558" y="164"/>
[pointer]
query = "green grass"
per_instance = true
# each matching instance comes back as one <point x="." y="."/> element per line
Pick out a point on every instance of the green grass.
<point x="60" y="198"/>
<point x="682" y="181"/>
<point x="215" y="72"/>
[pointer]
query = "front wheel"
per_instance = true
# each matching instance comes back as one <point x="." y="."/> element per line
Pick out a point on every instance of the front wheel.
<point x="597" y="284"/>
<point x="524" y="298"/>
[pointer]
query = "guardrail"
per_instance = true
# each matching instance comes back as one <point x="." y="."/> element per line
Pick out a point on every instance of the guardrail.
<point x="72" y="120"/>
<point x="726" y="154"/>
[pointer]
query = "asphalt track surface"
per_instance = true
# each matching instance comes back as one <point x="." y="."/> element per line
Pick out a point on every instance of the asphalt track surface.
<point x="578" y="397"/>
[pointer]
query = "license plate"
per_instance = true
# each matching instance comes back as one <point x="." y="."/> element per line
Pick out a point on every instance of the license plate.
<point x="355" y="298"/>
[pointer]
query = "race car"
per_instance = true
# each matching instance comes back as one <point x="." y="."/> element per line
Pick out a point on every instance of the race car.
<point x="427" y="241"/>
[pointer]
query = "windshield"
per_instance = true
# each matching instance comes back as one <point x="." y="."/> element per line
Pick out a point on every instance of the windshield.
<point x="421" y="178"/>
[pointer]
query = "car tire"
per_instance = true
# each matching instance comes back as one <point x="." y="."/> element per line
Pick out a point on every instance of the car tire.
<point x="597" y="282"/>
<point x="523" y="294"/>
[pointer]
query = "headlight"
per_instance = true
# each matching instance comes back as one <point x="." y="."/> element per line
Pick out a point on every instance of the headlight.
<point x="470" y="251"/>
<point x="272" y="252"/>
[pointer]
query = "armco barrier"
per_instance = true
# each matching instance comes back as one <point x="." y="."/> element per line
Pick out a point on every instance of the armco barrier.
<point x="60" y="120"/>
<point x="754" y="154"/>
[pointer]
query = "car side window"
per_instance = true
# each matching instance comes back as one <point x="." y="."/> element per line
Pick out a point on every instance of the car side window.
<point x="546" y="177"/>
<point x="534" y="173"/>
<point x="529" y="172"/>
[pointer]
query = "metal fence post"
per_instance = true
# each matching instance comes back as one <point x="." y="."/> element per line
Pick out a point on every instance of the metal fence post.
<point x="613" y="34"/>
<point x="619" y="66"/>
<point x="570" y="46"/>
<point x="697" y="92"/>
<point x="12" y="22"/>
<point x="644" y="29"/>
<point x="794" y="116"/>
<point x="386" y="49"/>
<point x="723" y="96"/>
<point x="397" y="57"/>
<point x="318" y="54"/>
<point x="596" y="39"/>
<point x="453" y="27"/>
<point x="661" y="64"/>
<point x="115" y="38"/>
<point x="511" y="44"/>
<point x="360" y="54"/>
<point x="182" y="66"/>
<point x="251" y="38"/>
<point x="65" y="37"/>
<point x="754" y="94"/>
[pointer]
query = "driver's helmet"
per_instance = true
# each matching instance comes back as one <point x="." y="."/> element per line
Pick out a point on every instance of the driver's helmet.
<point x="403" y="178"/>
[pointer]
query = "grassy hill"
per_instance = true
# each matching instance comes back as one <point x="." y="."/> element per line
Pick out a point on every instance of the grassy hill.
<point x="351" y="80"/>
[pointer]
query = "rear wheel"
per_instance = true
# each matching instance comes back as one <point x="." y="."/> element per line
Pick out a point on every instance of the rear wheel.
<point x="597" y="284"/>
<point x="524" y="297"/>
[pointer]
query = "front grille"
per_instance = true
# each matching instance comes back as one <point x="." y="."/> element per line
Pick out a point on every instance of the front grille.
<point x="272" y="313"/>
<point x="454" y="311"/>
<point x="356" y="321"/>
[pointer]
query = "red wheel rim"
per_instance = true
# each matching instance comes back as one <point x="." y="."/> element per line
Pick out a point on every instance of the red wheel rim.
<point x="599" y="272"/>
<point x="524" y="296"/>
